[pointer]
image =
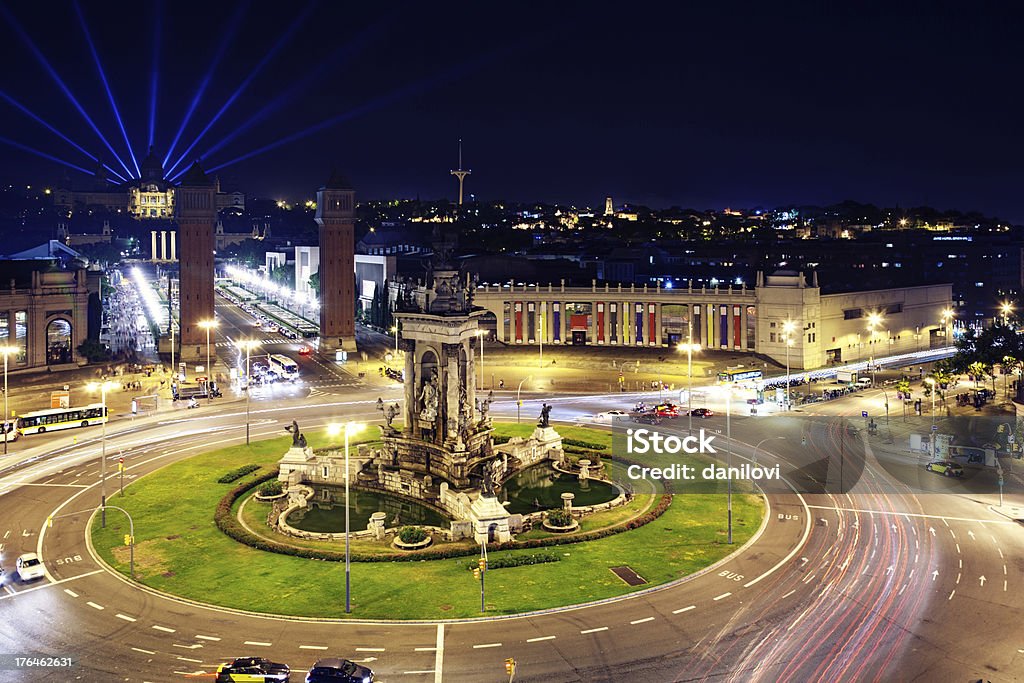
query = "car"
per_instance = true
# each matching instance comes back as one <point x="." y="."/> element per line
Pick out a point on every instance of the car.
<point x="3" y="576"/>
<point x="647" y="418"/>
<point x="610" y="415"/>
<point x="950" y="469"/>
<point x="702" y="412"/>
<point x="252" y="670"/>
<point x="29" y="567"/>
<point x="991" y="444"/>
<point x="666" y="410"/>
<point x="305" y="350"/>
<point x="337" y="670"/>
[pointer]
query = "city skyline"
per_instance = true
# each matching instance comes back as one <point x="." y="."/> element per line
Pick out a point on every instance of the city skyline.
<point x="702" y="108"/>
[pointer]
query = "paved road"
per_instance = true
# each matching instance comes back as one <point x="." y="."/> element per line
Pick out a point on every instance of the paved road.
<point x="890" y="588"/>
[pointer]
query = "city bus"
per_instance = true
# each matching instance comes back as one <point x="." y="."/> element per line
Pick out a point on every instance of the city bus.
<point x="283" y="366"/>
<point x="739" y="376"/>
<point x="39" y="421"/>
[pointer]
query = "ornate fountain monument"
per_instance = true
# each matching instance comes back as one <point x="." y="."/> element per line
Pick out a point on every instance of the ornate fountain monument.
<point x="443" y="454"/>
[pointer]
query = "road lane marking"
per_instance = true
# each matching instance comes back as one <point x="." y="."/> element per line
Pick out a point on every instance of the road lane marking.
<point x="958" y="575"/>
<point x="788" y="594"/>
<point x="210" y="638"/>
<point x="157" y="627"/>
<point x="125" y="617"/>
<point x="52" y="583"/>
<point x="957" y="547"/>
<point x="424" y="649"/>
<point x="439" y="655"/>
<point x="684" y="609"/>
<point x="424" y="671"/>
<point x="722" y="596"/>
<point x="641" y="621"/>
<point x="257" y="643"/>
<point x="312" y="647"/>
<point x="537" y="640"/>
<point x="369" y="649"/>
<point x="71" y="592"/>
<point x="145" y="652"/>
<point x="951" y="594"/>
<point x="593" y="630"/>
<point x="484" y="645"/>
<point x="194" y="661"/>
<point x="94" y="605"/>
<point x="915" y="514"/>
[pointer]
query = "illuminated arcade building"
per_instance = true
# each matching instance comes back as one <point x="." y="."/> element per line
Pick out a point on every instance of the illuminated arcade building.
<point x="151" y="196"/>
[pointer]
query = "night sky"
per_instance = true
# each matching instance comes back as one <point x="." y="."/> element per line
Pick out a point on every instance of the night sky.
<point x="704" y="106"/>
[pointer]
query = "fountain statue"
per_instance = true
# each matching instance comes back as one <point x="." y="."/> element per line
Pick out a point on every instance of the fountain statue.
<point x="298" y="438"/>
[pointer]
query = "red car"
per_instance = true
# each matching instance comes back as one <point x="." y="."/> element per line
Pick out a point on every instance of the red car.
<point x="666" y="410"/>
<point x="305" y="350"/>
<point x="702" y="412"/>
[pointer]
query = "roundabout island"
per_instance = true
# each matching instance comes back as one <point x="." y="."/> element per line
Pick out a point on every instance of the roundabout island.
<point x="205" y="533"/>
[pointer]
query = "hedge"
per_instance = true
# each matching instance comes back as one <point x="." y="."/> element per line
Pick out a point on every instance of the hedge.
<point x="585" y="444"/>
<point x="412" y="534"/>
<point x="231" y="527"/>
<point x="237" y="473"/>
<point x="518" y="561"/>
<point x="271" y="488"/>
<point x="559" y="518"/>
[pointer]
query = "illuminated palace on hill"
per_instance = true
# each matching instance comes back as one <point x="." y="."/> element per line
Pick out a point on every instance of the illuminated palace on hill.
<point x="147" y="197"/>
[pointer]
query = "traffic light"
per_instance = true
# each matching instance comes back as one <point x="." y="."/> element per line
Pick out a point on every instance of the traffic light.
<point x="510" y="666"/>
<point x="49" y="521"/>
<point x="483" y="564"/>
<point x="476" y="573"/>
<point x="128" y="539"/>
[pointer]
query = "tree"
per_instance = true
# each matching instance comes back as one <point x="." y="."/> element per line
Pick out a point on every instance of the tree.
<point x="93" y="351"/>
<point x="314" y="283"/>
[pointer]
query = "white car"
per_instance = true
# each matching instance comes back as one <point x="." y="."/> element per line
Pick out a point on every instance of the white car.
<point x="611" y="416"/>
<point x="30" y="568"/>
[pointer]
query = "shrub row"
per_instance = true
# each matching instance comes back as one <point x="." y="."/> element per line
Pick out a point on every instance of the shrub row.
<point x="585" y="444"/>
<point x="237" y="473"/>
<point x="518" y="561"/>
<point x="230" y="526"/>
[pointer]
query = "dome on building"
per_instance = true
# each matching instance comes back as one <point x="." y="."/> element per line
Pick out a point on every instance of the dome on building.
<point x="152" y="167"/>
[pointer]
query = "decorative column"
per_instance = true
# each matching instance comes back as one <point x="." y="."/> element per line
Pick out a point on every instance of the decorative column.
<point x="163" y="245"/>
<point x="152" y="251"/>
<point x="174" y="234"/>
<point x="409" y="386"/>
<point x="451" y="390"/>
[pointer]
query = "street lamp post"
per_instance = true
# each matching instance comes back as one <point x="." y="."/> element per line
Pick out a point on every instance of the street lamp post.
<point x="208" y="325"/>
<point x="248" y="345"/>
<point x="348" y="428"/>
<point x="689" y="347"/>
<point x="947" y="318"/>
<point x="519" y="404"/>
<point x="787" y="330"/>
<point x="930" y="381"/>
<point x="1007" y="308"/>
<point x="394" y="329"/>
<point x="7" y="351"/>
<point x="102" y="387"/>
<point x="874" y="320"/>
<point x="728" y="437"/>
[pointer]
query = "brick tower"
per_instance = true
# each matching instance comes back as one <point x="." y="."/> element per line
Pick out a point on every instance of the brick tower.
<point x="335" y="214"/>
<point x="196" y="213"/>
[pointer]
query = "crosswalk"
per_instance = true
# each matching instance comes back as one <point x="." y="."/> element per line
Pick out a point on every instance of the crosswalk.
<point x="274" y="340"/>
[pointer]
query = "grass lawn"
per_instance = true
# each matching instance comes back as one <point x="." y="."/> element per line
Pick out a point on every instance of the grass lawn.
<point x="181" y="551"/>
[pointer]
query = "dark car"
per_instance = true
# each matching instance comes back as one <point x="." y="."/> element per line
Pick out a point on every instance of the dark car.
<point x="647" y="418"/>
<point x="337" y="670"/>
<point x="702" y="412"/>
<point x="252" y="670"/>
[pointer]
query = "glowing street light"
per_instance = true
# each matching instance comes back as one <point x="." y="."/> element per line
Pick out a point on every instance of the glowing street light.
<point x="787" y="329"/>
<point x="103" y="388"/>
<point x="1007" y="308"/>
<point x="208" y="325"/>
<point x="947" y="318"/>
<point x="394" y="331"/>
<point x="348" y="429"/>
<point x="7" y="351"/>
